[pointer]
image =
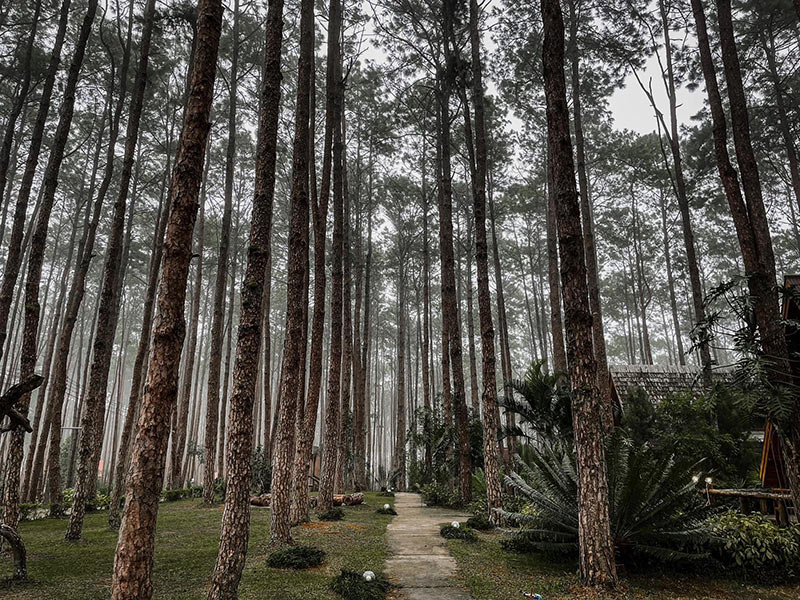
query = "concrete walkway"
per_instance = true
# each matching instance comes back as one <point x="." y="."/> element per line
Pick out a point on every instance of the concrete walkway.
<point x="419" y="564"/>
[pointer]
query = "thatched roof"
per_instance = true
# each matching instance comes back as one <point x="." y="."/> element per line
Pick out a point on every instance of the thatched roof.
<point x="659" y="381"/>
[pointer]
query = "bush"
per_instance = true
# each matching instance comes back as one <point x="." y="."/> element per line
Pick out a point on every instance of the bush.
<point x="196" y="491"/>
<point x="386" y="511"/>
<point x="296" y="557"/>
<point x="439" y="494"/>
<point x="654" y="508"/>
<point x="756" y="546"/>
<point x="480" y="522"/>
<point x="334" y="514"/>
<point x="176" y="494"/>
<point x="27" y="510"/>
<point x="458" y="533"/>
<point x="352" y="586"/>
<point x="386" y="494"/>
<point x="99" y="502"/>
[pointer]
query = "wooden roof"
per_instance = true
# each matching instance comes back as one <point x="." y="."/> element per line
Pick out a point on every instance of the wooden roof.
<point x="659" y="381"/>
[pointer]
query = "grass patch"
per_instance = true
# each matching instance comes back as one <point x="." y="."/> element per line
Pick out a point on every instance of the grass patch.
<point x="492" y="573"/>
<point x="186" y="550"/>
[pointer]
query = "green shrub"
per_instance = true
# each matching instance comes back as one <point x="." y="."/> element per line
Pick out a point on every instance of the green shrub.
<point x="334" y="514"/>
<point x="458" y="533"/>
<point x="386" y="494"/>
<point x="176" y="494"/>
<point x="386" y="511"/>
<point x="352" y="586"/>
<point x="756" y="546"/>
<point x="196" y="491"/>
<point x="66" y="497"/>
<point x="99" y="502"/>
<point x="654" y="508"/>
<point x="296" y="557"/>
<point x="440" y="494"/>
<point x="27" y="510"/>
<point x="480" y="522"/>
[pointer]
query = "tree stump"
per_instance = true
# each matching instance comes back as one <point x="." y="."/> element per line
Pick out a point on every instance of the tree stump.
<point x="17" y="551"/>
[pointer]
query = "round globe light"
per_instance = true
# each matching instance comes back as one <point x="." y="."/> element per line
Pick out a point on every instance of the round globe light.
<point x="709" y="481"/>
<point x="455" y="524"/>
<point x="695" y="478"/>
<point x="369" y="576"/>
<point x="385" y="507"/>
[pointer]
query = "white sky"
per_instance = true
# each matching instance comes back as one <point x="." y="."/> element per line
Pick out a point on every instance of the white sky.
<point x="631" y="109"/>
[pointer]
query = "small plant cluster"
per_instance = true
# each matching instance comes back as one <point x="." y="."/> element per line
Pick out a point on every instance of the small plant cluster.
<point x="458" y="533"/>
<point x="386" y="510"/>
<point x="352" y="586"/>
<point x="334" y="514"/>
<point x="440" y="494"/>
<point x="386" y="494"/>
<point x="479" y="522"/>
<point x="756" y="546"/>
<point x="296" y="557"/>
<point x="175" y="494"/>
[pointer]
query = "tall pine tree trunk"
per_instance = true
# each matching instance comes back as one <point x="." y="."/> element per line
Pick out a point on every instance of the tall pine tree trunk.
<point x="218" y="318"/>
<point x="333" y="121"/>
<point x="293" y="371"/>
<point x="595" y="544"/>
<point x="133" y="559"/>
<point x="489" y="396"/>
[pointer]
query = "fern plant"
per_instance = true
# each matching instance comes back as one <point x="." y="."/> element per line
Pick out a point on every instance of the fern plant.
<point x="541" y="403"/>
<point x="655" y="509"/>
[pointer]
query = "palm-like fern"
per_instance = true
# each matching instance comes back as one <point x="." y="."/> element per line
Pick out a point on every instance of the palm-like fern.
<point x="654" y="506"/>
<point x="541" y="403"/>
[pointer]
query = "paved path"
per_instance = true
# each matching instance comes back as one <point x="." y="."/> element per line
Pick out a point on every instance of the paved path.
<point x="419" y="564"/>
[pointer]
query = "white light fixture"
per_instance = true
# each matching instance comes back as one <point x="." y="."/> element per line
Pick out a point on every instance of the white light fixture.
<point x="695" y="478"/>
<point x="385" y="507"/>
<point x="455" y="524"/>
<point x="709" y="481"/>
<point x="369" y="576"/>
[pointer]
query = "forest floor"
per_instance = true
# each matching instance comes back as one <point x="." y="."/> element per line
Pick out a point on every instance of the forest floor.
<point x="186" y="550"/>
<point x="491" y="573"/>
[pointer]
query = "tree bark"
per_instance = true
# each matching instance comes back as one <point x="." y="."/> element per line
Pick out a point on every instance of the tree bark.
<point x="218" y="319"/>
<point x="763" y="281"/>
<point x="589" y="246"/>
<point x="133" y="559"/>
<point x="596" y="548"/>
<point x="333" y="121"/>
<point x="236" y="517"/>
<point x="292" y="372"/>
<point x="489" y="396"/>
<point x="449" y="300"/>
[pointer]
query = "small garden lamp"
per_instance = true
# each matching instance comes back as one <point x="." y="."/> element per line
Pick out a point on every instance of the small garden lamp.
<point x="369" y="576"/>
<point x="455" y="524"/>
<point x="385" y="507"/>
<point x="695" y="478"/>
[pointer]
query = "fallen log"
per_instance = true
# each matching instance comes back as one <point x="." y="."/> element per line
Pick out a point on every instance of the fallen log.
<point x="261" y="500"/>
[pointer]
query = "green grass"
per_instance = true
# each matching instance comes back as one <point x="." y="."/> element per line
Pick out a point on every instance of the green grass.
<point x="186" y="550"/>
<point x="494" y="574"/>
